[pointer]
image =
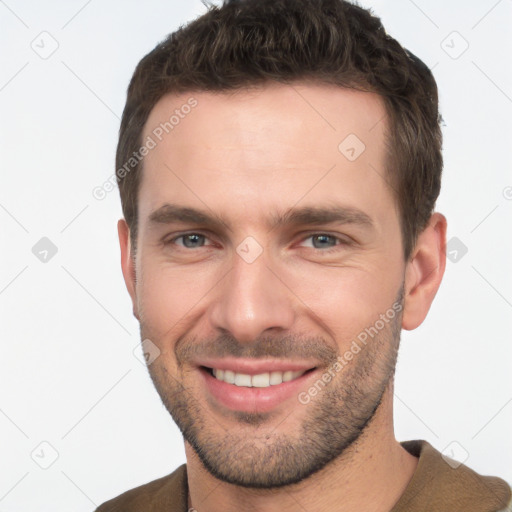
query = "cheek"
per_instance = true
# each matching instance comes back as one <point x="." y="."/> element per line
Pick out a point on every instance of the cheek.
<point x="168" y="294"/>
<point x="348" y="300"/>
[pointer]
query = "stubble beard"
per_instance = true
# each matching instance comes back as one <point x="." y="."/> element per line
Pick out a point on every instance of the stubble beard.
<point x="255" y="453"/>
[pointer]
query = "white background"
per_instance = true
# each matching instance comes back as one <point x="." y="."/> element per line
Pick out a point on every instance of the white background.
<point x="68" y="372"/>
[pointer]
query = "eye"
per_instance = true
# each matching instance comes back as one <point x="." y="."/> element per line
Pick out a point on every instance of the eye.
<point x="189" y="240"/>
<point x="325" y="242"/>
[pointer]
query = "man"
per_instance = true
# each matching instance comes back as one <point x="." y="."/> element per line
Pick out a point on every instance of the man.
<point x="279" y="163"/>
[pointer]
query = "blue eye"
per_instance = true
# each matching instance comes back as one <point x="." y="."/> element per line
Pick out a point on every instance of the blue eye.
<point x="323" y="241"/>
<point x="190" y="240"/>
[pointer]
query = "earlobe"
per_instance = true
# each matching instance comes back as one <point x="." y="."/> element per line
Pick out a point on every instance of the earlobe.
<point x="128" y="262"/>
<point x="424" y="272"/>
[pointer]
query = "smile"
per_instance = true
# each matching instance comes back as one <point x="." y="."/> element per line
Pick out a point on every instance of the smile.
<point x="261" y="380"/>
<point x="258" y="391"/>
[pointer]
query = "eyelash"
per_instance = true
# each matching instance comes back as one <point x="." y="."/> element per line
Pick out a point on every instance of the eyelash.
<point x="342" y="241"/>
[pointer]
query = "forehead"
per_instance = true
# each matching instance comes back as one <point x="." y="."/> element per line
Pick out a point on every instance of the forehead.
<point x="269" y="146"/>
<point x="308" y="109"/>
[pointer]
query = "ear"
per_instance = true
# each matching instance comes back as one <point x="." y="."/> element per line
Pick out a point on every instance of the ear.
<point x="128" y="262"/>
<point x="424" y="272"/>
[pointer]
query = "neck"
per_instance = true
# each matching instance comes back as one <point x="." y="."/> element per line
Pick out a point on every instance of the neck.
<point x="370" y="475"/>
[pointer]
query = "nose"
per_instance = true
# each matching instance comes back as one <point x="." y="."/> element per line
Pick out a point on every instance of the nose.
<point x="251" y="300"/>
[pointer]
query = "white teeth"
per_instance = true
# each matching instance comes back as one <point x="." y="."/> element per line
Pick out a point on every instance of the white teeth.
<point x="262" y="380"/>
<point x="229" y="376"/>
<point x="276" y="378"/>
<point x="287" y="376"/>
<point x="241" y="379"/>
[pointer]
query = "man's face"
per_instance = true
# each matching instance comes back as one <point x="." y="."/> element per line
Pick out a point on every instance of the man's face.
<point x="262" y="290"/>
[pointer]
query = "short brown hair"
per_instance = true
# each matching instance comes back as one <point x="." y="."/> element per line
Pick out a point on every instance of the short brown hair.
<point x="249" y="42"/>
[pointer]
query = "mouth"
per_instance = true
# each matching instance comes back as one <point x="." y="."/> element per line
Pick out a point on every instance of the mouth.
<point x="260" y="380"/>
<point x="245" y="386"/>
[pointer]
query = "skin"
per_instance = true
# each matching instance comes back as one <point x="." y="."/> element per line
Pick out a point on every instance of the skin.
<point x="247" y="156"/>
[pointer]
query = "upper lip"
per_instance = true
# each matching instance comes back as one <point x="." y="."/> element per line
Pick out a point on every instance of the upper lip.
<point x="255" y="366"/>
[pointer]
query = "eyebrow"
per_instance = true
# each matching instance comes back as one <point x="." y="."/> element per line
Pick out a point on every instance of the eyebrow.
<point x="307" y="215"/>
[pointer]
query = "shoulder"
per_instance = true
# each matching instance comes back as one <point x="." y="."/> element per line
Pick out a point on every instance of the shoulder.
<point x="446" y="484"/>
<point x="167" y="493"/>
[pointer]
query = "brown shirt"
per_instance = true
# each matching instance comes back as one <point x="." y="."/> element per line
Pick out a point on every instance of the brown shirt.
<point x="436" y="486"/>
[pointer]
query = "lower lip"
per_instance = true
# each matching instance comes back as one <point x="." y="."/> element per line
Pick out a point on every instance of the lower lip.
<point x="246" y="399"/>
